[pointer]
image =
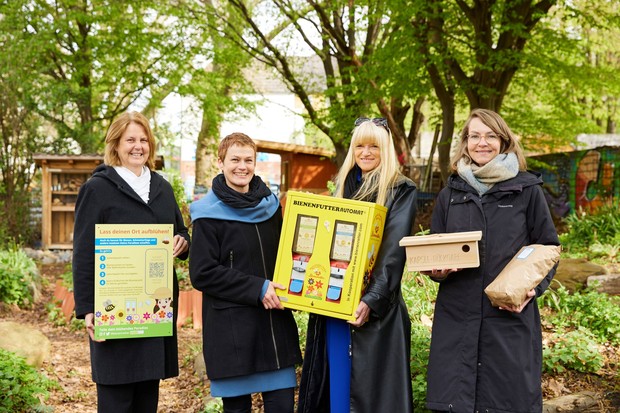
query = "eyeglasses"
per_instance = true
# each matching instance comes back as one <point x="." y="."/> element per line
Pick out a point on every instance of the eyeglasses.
<point x="377" y="121"/>
<point x="489" y="137"/>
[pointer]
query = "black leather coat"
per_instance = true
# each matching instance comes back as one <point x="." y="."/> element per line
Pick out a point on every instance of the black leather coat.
<point x="380" y="349"/>
<point x="482" y="358"/>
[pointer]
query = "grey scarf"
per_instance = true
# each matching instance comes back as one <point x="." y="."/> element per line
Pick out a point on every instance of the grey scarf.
<point x="482" y="178"/>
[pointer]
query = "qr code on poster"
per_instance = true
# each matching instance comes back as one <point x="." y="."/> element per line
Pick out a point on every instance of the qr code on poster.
<point x="156" y="269"/>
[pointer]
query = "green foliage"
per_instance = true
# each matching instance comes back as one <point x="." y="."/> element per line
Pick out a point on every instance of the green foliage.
<point x="194" y="350"/>
<point x="420" y="349"/>
<point x="57" y="318"/>
<point x="301" y="318"/>
<point x="182" y="270"/>
<point x="331" y="187"/>
<point x="214" y="406"/>
<point x="67" y="277"/>
<point x="575" y="350"/>
<point x="19" y="278"/>
<point x="4" y="230"/>
<point x="419" y="293"/>
<point x="582" y="321"/>
<point x="21" y="385"/>
<point x="608" y="252"/>
<point x="55" y="315"/>
<point x="174" y="178"/>
<point x="597" y="312"/>
<point x="78" y="89"/>
<point x="595" y="233"/>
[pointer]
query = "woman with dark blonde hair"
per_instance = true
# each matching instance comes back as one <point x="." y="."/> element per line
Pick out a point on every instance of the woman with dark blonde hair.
<point x="485" y="358"/>
<point x="363" y="365"/>
<point x="125" y="190"/>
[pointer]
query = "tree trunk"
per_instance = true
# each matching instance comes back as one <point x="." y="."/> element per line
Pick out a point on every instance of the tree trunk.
<point x="445" y="142"/>
<point x="206" y="152"/>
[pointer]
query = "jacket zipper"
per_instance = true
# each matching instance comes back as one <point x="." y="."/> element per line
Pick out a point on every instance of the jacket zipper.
<point x="273" y="337"/>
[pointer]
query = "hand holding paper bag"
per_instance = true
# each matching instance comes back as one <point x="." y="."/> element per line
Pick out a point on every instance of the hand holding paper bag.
<point x="523" y="273"/>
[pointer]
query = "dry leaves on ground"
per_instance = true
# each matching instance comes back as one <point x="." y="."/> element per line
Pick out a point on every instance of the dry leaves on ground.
<point x="69" y="362"/>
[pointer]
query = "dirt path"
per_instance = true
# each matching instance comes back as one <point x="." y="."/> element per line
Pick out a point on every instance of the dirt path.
<point x="69" y="363"/>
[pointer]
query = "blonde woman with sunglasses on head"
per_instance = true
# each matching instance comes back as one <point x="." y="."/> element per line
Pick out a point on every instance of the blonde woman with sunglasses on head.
<point x="363" y="366"/>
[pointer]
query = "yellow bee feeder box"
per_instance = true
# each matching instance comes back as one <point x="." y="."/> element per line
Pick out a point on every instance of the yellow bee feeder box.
<point x="442" y="251"/>
<point x="326" y="253"/>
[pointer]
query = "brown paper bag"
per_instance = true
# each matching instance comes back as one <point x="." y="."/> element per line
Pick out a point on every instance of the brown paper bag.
<point x="524" y="272"/>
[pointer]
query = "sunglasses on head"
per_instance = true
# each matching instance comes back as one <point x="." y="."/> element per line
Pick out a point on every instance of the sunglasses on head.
<point x="377" y="121"/>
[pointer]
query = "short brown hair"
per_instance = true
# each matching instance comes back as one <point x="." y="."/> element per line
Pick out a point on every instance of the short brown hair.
<point x="116" y="130"/>
<point x="493" y="120"/>
<point x="236" y="138"/>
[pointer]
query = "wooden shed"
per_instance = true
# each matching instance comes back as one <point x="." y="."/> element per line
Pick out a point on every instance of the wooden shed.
<point x="302" y="167"/>
<point x="62" y="176"/>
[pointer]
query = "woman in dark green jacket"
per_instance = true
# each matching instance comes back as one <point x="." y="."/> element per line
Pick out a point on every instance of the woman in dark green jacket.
<point x="485" y="358"/>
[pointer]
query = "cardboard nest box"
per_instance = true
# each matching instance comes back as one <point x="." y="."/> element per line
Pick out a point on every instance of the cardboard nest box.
<point x="442" y="251"/>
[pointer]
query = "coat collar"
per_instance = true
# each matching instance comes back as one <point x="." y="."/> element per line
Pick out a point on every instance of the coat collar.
<point x="109" y="173"/>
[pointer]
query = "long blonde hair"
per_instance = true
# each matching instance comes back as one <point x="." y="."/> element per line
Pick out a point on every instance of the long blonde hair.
<point x="380" y="180"/>
<point x="493" y="120"/>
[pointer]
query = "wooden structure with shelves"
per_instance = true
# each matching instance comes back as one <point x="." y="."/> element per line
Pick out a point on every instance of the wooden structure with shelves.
<point x="62" y="176"/>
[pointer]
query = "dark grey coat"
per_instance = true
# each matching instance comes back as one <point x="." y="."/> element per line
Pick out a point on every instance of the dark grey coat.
<point x="380" y="349"/>
<point x="107" y="199"/>
<point x="483" y="359"/>
<point x="230" y="262"/>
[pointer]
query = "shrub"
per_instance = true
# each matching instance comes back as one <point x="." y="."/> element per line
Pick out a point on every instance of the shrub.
<point x="575" y="350"/>
<point x="419" y="293"/>
<point x="301" y="318"/>
<point x="420" y="348"/>
<point x="214" y="406"/>
<point x="601" y="227"/>
<point x="174" y="178"/>
<point x="21" y="385"/>
<point x="19" y="278"/>
<point x="67" y="277"/>
<point x="597" y="312"/>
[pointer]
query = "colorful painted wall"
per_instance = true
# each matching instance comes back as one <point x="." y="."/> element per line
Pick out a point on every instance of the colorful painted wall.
<point x="581" y="179"/>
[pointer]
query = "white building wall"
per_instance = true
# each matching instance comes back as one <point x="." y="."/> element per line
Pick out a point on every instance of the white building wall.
<point x="276" y="120"/>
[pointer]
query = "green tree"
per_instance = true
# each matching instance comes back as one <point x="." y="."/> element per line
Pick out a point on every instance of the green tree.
<point x="388" y="54"/>
<point x="474" y="49"/>
<point x="70" y="66"/>
<point x="98" y="58"/>
<point x="344" y="41"/>
<point x="21" y="131"/>
<point x="219" y="88"/>
<point x="570" y="80"/>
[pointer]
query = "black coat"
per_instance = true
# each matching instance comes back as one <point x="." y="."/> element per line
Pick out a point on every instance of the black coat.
<point x="380" y="349"/>
<point x="107" y="199"/>
<point x="230" y="262"/>
<point x="482" y="358"/>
